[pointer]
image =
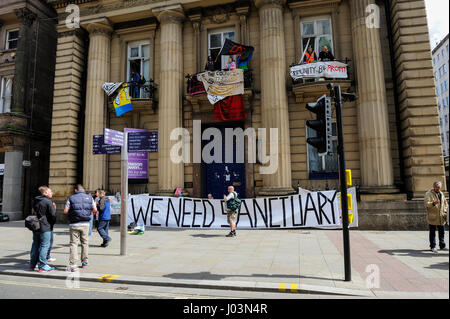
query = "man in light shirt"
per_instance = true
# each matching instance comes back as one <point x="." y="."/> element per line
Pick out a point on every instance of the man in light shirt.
<point x="80" y="206"/>
<point x="231" y="214"/>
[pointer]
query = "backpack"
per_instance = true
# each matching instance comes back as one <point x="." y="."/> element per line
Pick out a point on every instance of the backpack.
<point x="235" y="203"/>
<point x="32" y="222"/>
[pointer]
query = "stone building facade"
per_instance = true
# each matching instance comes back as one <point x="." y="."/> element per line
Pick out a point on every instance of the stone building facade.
<point x="392" y="136"/>
<point x="27" y="67"/>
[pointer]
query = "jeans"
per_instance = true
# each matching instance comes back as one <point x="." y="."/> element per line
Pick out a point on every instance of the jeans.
<point x="103" y="227"/>
<point x="39" y="249"/>
<point x="440" y="230"/>
<point x="79" y="234"/>
<point x="51" y="245"/>
<point x="91" y="222"/>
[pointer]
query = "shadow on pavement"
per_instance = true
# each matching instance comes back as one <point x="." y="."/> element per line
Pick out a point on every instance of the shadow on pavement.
<point x="209" y="276"/>
<point x="413" y="252"/>
<point x="206" y="236"/>
<point x="442" y="266"/>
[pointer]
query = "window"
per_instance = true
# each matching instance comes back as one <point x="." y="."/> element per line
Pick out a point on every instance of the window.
<point x="437" y="91"/>
<point x="12" y="36"/>
<point x="138" y="68"/>
<point x="439" y="105"/>
<point x="322" y="167"/>
<point x="444" y="67"/>
<point x="446" y="118"/>
<point x="435" y="76"/>
<point x="434" y="61"/>
<point x="216" y="38"/>
<point x="317" y="32"/>
<point x="442" y="87"/>
<point x="438" y="56"/>
<point x="5" y="94"/>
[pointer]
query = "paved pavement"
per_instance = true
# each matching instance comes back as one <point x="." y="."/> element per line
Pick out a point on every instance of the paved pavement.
<point x="385" y="264"/>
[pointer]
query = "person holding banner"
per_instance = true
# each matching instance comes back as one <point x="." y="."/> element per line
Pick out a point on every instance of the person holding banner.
<point x="233" y="204"/>
<point x="326" y="55"/>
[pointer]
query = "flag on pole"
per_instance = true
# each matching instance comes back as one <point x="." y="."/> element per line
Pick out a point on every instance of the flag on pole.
<point x="233" y="48"/>
<point x="122" y="102"/>
<point x="111" y="87"/>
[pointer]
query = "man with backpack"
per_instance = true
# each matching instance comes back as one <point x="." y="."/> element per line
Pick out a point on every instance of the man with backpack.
<point x="79" y="207"/>
<point x="233" y="205"/>
<point x="44" y="214"/>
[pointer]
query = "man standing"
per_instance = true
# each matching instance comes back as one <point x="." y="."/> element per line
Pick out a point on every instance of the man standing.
<point x="233" y="204"/>
<point x="326" y="55"/>
<point x="310" y="56"/>
<point x="437" y="207"/>
<point x="46" y="213"/>
<point x="104" y="216"/>
<point x="80" y="206"/>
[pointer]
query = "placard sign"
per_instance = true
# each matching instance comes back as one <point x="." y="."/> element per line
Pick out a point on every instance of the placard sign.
<point x="137" y="161"/>
<point x="143" y="141"/>
<point x="99" y="146"/>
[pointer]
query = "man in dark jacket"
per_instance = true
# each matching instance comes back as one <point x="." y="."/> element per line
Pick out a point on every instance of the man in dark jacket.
<point x="44" y="210"/>
<point x="326" y="55"/>
<point x="80" y="206"/>
<point x="104" y="216"/>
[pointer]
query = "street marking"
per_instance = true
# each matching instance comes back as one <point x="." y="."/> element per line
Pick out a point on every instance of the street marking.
<point x="294" y="287"/>
<point x="282" y="287"/>
<point x="109" y="279"/>
<point x="102" y="278"/>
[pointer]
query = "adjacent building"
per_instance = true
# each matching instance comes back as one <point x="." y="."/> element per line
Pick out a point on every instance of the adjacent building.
<point x="392" y="133"/>
<point x="27" y="68"/>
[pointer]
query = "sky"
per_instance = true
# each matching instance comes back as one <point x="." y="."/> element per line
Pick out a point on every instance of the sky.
<point x="438" y="17"/>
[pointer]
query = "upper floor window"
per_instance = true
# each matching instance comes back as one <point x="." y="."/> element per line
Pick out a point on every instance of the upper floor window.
<point x="317" y="32"/>
<point x="216" y="39"/>
<point x="438" y="56"/>
<point x="138" y="68"/>
<point x="6" y="84"/>
<point x="12" y="36"/>
<point x="437" y="91"/>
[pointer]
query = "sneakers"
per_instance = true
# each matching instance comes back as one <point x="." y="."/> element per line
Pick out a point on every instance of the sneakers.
<point x="434" y="250"/>
<point x="46" y="268"/>
<point x="444" y="248"/>
<point x="50" y="260"/>
<point x="72" y="268"/>
<point x="231" y="234"/>
<point x="105" y="244"/>
<point x="84" y="265"/>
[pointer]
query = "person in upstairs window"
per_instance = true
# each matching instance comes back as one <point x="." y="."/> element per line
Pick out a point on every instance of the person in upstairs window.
<point x="310" y="56"/>
<point x="326" y="55"/>
<point x="231" y="65"/>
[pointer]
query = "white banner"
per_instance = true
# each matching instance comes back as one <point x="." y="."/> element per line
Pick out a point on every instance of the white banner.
<point x="111" y="87"/>
<point x="315" y="209"/>
<point x="331" y="69"/>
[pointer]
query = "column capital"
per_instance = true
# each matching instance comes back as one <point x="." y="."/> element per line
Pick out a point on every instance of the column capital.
<point x="98" y="26"/>
<point x="170" y="14"/>
<point x="25" y="16"/>
<point x="272" y="3"/>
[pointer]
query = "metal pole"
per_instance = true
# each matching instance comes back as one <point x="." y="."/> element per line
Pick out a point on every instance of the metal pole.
<point x="124" y="195"/>
<point x="344" y="203"/>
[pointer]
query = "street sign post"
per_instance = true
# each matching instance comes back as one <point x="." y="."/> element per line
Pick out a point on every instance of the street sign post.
<point x="143" y="141"/>
<point x="100" y="148"/>
<point x="123" y="196"/>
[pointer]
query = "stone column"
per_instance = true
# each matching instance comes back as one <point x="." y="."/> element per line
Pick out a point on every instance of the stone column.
<point x="377" y="174"/>
<point x="12" y="185"/>
<point x="274" y="105"/>
<point x="94" y="166"/>
<point x="22" y="61"/>
<point x="170" y="174"/>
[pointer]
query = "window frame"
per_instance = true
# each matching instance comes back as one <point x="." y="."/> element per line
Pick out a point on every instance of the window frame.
<point x="3" y="81"/>
<point x="140" y="57"/>
<point x="221" y="31"/>
<point x="7" y="40"/>
<point x="314" y="20"/>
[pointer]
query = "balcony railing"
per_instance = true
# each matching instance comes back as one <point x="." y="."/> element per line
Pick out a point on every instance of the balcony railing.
<point x="195" y="86"/>
<point x="142" y="91"/>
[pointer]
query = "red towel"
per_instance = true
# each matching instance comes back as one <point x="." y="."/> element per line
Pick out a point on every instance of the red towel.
<point x="230" y="108"/>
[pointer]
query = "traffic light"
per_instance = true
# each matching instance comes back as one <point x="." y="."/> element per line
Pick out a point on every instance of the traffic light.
<point x="322" y="125"/>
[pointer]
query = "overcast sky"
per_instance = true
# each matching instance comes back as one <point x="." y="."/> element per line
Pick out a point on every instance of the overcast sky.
<point x="438" y="16"/>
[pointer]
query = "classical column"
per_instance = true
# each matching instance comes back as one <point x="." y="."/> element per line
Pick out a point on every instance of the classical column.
<point x="21" y="77"/>
<point x="274" y="106"/>
<point x="377" y="174"/>
<point x="94" y="166"/>
<point x="170" y="174"/>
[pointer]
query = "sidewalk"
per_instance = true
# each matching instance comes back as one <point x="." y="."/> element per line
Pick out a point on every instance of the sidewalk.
<point x="297" y="261"/>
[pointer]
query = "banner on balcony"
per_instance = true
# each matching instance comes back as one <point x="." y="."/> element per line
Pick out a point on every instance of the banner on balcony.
<point x="223" y="83"/>
<point x="122" y="102"/>
<point x="231" y="108"/>
<point x="315" y="209"/>
<point x="111" y="87"/>
<point x="331" y="69"/>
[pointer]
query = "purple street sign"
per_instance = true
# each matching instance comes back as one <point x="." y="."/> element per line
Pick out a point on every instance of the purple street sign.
<point x="143" y="142"/>
<point x="113" y="137"/>
<point x="99" y="146"/>
<point x="137" y="161"/>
